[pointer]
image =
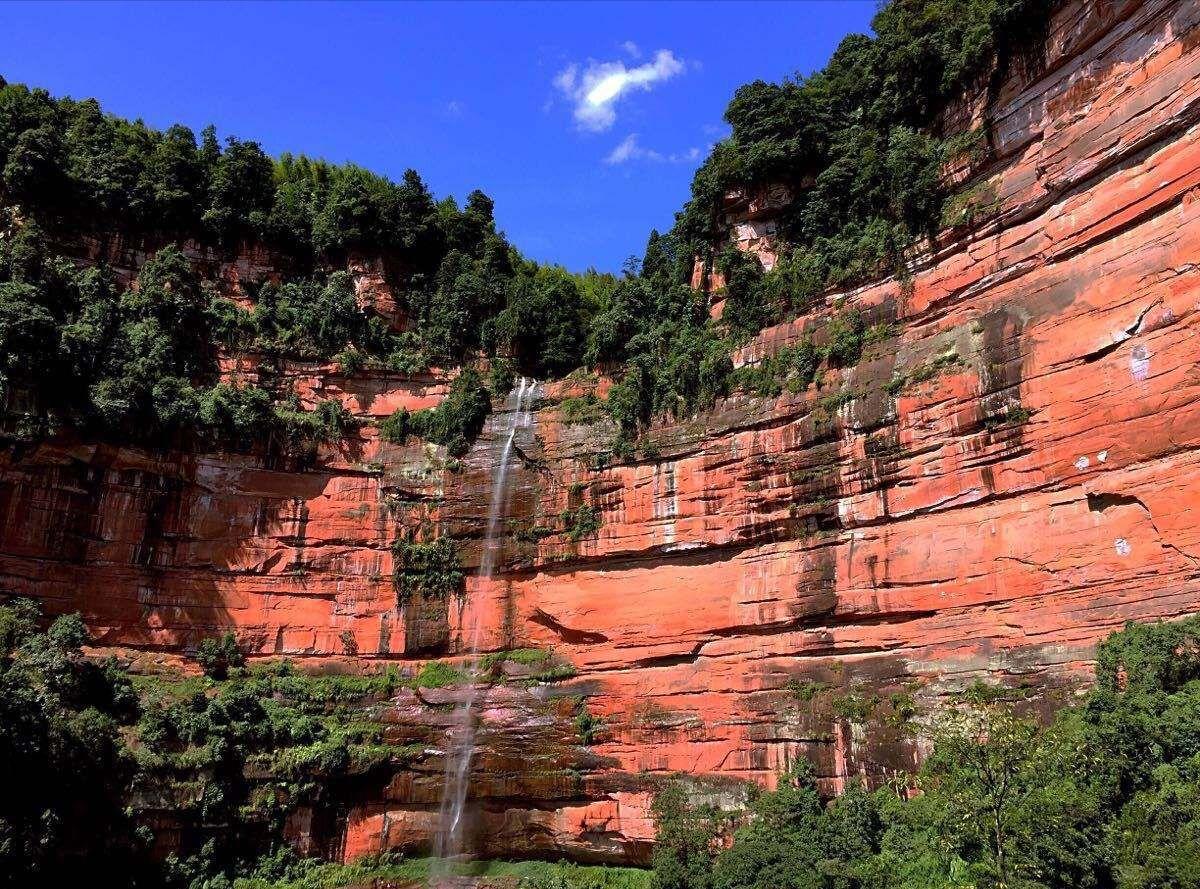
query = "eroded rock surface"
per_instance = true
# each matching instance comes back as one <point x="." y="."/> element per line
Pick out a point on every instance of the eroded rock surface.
<point x="1008" y="479"/>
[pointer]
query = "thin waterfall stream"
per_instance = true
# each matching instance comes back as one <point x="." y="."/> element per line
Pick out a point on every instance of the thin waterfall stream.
<point x="460" y="751"/>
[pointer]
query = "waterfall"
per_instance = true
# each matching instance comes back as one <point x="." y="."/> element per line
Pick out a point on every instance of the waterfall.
<point x="461" y="740"/>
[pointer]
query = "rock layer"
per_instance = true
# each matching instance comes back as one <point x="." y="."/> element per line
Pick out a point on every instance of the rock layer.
<point x="1008" y="479"/>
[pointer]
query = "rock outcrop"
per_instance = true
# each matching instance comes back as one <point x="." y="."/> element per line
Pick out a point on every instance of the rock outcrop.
<point x="1010" y="476"/>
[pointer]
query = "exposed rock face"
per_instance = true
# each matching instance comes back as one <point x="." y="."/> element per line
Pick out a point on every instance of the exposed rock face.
<point x="791" y="577"/>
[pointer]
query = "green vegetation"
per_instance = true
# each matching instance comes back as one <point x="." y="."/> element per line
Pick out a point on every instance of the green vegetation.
<point x="136" y="362"/>
<point x="845" y="337"/>
<point x="231" y="756"/>
<point x="1013" y="415"/>
<point x="856" y="705"/>
<point x="971" y="205"/>
<point x="78" y="348"/>
<point x="585" y="409"/>
<point x="688" y="839"/>
<point x="454" y="423"/>
<point x="288" y="872"/>
<point x="526" y="657"/>
<point x="218" y="656"/>
<point x="792" y="368"/>
<point x="543" y="322"/>
<point x="552" y="671"/>
<point x="62" y="813"/>
<point x="427" y="570"/>
<point x="545" y="667"/>
<point x="459" y="418"/>
<point x="1105" y="795"/>
<point x="676" y="361"/>
<point x="857" y="144"/>
<point x="437" y="674"/>
<point x="587" y="725"/>
<point x="807" y="690"/>
<point x="923" y="372"/>
<point x="580" y="522"/>
<point x="854" y="142"/>
<point x="300" y="431"/>
<point x="231" y="753"/>
<point x="524" y="532"/>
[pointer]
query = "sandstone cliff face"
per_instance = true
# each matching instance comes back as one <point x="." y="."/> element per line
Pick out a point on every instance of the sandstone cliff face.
<point x="789" y="577"/>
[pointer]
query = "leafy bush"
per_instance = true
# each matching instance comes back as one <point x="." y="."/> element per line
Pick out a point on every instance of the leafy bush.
<point x="285" y="870"/>
<point x="78" y="349"/>
<point x="687" y="841"/>
<point x="853" y="141"/>
<point x="587" y="725"/>
<point x="429" y="570"/>
<point x="676" y="361"/>
<point x="301" y="431"/>
<point x="455" y="423"/>
<point x="844" y="335"/>
<point x="501" y="376"/>
<point x="585" y="409"/>
<point x="747" y="307"/>
<point x="1012" y="415"/>
<point x="438" y="674"/>
<point x="542" y="325"/>
<point x="86" y="748"/>
<point x="791" y="367"/>
<point x="63" y="815"/>
<point x="220" y="655"/>
<point x="395" y="426"/>
<point x="310" y="318"/>
<point x="582" y="521"/>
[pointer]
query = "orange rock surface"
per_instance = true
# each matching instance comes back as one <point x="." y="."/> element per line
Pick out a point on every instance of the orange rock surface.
<point x="788" y="577"/>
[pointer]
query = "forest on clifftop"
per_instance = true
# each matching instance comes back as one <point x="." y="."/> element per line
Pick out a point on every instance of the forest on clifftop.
<point x="858" y="143"/>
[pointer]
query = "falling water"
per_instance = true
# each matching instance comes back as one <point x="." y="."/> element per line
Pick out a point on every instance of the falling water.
<point x="461" y="742"/>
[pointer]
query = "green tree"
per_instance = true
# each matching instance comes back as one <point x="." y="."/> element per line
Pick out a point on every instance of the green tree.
<point x="157" y="349"/>
<point x="542" y="326"/>
<point x="217" y="656"/>
<point x="455" y="422"/>
<point x="66" y="772"/>
<point x="686" y="841"/>
<point x="241" y="190"/>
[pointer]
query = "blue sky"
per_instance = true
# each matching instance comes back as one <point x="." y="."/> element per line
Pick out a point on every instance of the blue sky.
<point x="584" y="121"/>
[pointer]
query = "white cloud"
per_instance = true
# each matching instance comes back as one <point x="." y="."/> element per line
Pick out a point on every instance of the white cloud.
<point x="635" y="51"/>
<point x="596" y="89"/>
<point x="626" y="151"/>
<point x="630" y="150"/>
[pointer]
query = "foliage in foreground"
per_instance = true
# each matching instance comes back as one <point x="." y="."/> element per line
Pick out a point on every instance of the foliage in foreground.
<point x="65" y="766"/>
<point x="454" y="423"/>
<point x="284" y="871"/>
<point x="1106" y="795"/>
<point x="231" y="754"/>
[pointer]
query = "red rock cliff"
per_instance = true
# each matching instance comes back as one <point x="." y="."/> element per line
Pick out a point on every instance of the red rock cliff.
<point x="1011" y="477"/>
